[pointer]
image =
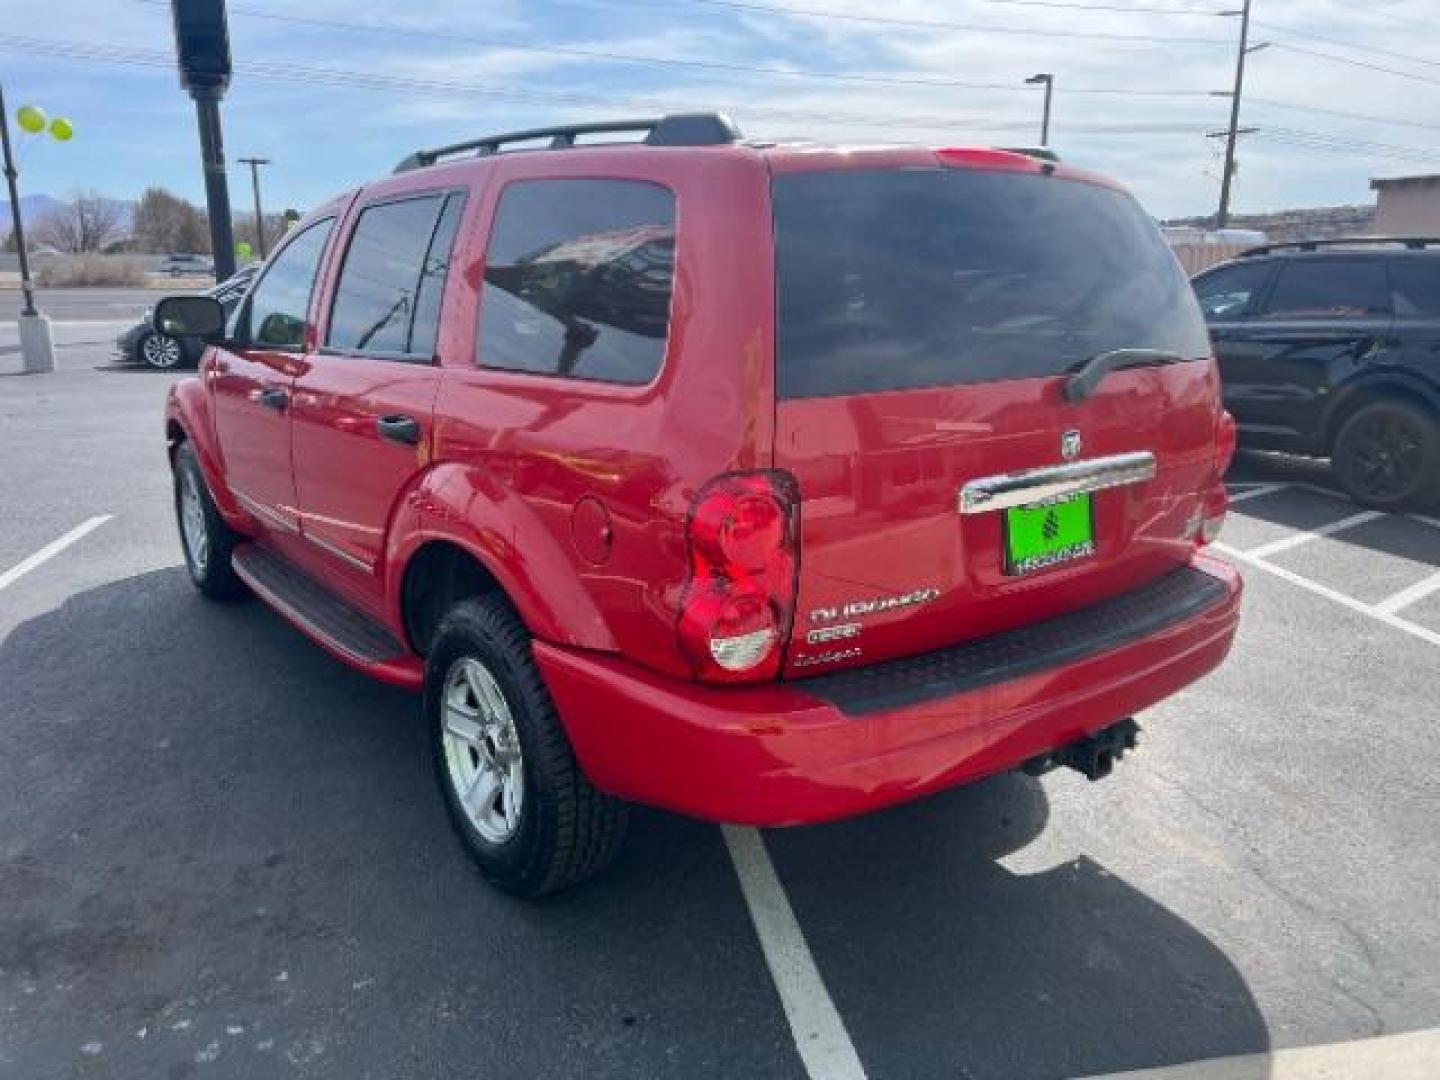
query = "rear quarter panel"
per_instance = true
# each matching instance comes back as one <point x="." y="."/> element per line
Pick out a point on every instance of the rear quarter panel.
<point x="577" y="491"/>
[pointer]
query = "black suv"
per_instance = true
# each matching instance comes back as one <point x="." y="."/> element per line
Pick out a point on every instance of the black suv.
<point x="1332" y="349"/>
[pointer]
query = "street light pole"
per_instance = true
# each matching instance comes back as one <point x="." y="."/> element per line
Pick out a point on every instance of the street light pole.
<point x="1049" y="81"/>
<point x="255" y="163"/>
<point x="37" y="350"/>
<point x="1222" y="217"/>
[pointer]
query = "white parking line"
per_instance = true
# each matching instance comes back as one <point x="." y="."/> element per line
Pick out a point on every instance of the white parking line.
<point x="50" y="550"/>
<point x="1411" y="1056"/>
<point x="1414" y="594"/>
<point x="815" y="1024"/>
<point x="1374" y="611"/>
<point x="1295" y="539"/>
<point x="1255" y="492"/>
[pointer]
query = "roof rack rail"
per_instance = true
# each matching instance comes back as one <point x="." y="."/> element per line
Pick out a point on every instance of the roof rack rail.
<point x="1411" y="243"/>
<point x="676" y="129"/>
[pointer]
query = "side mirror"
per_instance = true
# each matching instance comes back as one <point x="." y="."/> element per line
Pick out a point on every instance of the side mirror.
<point x="190" y="316"/>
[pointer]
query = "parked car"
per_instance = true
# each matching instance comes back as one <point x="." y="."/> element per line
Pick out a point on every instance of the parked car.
<point x="185" y="265"/>
<point x="143" y="344"/>
<point x="1332" y="349"/>
<point x="763" y="483"/>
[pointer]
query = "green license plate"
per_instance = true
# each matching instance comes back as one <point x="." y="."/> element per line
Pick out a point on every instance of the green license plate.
<point x="1048" y="534"/>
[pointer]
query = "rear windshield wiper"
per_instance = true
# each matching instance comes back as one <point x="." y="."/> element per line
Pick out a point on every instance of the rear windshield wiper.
<point x="1083" y="383"/>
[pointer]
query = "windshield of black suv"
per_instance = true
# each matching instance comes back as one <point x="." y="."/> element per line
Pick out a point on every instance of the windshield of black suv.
<point x="900" y="278"/>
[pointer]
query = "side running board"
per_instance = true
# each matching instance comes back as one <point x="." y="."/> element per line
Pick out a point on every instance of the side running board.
<point x="344" y="630"/>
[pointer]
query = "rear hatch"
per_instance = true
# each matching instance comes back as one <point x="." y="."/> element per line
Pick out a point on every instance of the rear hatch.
<point x="928" y="319"/>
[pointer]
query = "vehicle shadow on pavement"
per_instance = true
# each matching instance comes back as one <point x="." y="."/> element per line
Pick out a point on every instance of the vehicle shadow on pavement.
<point x="945" y="963"/>
<point x="222" y="853"/>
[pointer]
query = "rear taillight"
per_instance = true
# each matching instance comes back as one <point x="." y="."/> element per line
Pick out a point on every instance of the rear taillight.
<point x="739" y="603"/>
<point x="1226" y="437"/>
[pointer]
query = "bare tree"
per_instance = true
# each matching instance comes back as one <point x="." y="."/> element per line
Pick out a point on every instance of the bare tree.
<point x="166" y="222"/>
<point x="88" y="222"/>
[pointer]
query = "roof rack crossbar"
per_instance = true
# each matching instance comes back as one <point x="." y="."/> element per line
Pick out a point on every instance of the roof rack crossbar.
<point x="1411" y="243"/>
<point x="676" y="129"/>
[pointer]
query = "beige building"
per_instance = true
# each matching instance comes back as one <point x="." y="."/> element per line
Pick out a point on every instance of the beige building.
<point x="1408" y="206"/>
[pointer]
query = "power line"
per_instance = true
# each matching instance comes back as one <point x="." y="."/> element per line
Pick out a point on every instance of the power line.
<point x="1352" y="62"/>
<point x="936" y="24"/>
<point x="309" y="73"/>
<point x="1312" y="36"/>
<point x="1321" y="111"/>
<point x="393" y="30"/>
<point x="916" y="24"/>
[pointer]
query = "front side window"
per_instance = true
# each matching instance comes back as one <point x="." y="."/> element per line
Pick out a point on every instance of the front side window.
<point x="578" y="279"/>
<point x="1329" y="289"/>
<point x="280" y="303"/>
<point x="1229" y="293"/>
<point x="388" y="297"/>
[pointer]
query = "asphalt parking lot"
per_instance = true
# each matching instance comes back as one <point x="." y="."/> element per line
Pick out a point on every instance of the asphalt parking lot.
<point x="221" y="852"/>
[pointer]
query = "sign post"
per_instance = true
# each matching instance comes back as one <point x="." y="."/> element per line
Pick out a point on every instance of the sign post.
<point x="202" y="49"/>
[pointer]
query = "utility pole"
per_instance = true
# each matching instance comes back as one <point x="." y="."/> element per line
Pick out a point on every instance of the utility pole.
<point x="37" y="350"/>
<point x="202" y="49"/>
<point x="1049" y="81"/>
<point x="1222" y="217"/>
<point x="255" y="163"/>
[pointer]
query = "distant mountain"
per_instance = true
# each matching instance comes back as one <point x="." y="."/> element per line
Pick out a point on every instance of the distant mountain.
<point x="32" y="209"/>
<point x="35" y="207"/>
<point x="1313" y="223"/>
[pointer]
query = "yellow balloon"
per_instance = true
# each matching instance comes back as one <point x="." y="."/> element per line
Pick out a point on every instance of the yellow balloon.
<point x="31" y="119"/>
<point x="62" y="129"/>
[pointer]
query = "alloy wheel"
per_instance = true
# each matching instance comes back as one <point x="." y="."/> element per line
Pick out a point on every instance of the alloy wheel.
<point x="482" y="750"/>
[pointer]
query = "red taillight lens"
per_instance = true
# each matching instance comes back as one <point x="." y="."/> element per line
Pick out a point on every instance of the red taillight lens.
<point x="739" y="602"/>
<point x="1226" y="438"/>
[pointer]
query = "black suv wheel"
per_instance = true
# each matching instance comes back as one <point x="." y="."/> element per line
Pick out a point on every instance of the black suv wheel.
<point x="1387" y="455"/>
<point x="516" y="795"/>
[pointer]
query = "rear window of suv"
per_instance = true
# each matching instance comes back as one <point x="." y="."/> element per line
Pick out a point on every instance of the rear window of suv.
<point x="896" y="279"/>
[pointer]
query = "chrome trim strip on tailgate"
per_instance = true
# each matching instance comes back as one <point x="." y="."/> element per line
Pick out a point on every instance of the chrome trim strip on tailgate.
<point x="1055" y="482"/>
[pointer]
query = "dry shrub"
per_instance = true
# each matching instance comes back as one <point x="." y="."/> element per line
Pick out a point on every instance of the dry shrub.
<point x="73" y="270"/>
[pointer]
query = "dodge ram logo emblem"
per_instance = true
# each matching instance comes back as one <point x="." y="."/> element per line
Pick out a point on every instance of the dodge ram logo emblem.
<point x="1070" y="445"/>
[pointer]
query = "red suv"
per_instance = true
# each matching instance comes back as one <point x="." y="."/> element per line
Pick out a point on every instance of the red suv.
<point x="766" y="483"/>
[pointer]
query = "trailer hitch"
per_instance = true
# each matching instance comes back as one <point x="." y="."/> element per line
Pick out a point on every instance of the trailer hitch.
<point x="1094" y="755"/>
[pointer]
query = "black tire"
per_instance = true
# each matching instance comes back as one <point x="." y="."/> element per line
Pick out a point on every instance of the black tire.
<point x="210" y="570"/>
<point x="160" y="352"/>
<point x="1387" y="456"/>
<point x="565" y="830"/>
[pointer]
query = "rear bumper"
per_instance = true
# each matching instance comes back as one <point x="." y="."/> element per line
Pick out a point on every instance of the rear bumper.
<point x="798" y="752"/>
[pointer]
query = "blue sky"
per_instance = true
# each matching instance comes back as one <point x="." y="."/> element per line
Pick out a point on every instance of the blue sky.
<point x="340" y="99"/>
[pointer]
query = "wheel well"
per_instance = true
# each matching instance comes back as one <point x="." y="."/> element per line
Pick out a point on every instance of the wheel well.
<point x="174" y="436"/>
<point x="1368" y="395"/>
<point x="437" y="576"/>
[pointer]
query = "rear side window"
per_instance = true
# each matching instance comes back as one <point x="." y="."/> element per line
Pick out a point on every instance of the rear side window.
<point x="387" y="300"/>
<point x="1417" y="287"/>
<point x="1329" y="289"/>
<point x="1230" y="293"/>
<point x="578" y="278"/>
<point x="896" y="279"/>
<point x="280" y="303"/>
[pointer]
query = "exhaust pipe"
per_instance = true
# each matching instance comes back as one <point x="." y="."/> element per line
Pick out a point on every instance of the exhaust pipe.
<point x="1095" y="755"/>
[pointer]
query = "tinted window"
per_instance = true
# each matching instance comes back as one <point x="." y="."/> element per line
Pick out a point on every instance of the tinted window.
<point x="929" y="277"/>
<point x="1329" y="289"/>
<point x="1227" y="294"/>
<point x="280" y="304"/>
<point x="432" y="279"/>
<point x="578" y="279"/>
<point x="378" y="291"/>
<point x="1417" y="286"/>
